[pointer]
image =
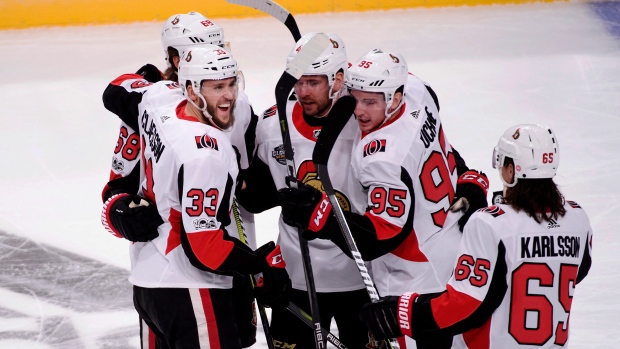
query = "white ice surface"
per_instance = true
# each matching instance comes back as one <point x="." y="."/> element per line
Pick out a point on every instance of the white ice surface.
<point x="492" y="67"/>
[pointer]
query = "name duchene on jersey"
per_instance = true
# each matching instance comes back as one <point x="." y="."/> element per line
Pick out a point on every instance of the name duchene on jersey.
<point x="549" y="246"/>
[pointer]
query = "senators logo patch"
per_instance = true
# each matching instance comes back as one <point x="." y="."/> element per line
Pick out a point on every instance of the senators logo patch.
<point x="307" y="174"/>
<point x="176" y="20"/>
<point x="270" y="112"/>
<point x="493" y="211"/>
<point x="278" y="154"/>
<point x="140" y="84"/>
<point x="206" y="142"/>
<point x="374" y="146"/>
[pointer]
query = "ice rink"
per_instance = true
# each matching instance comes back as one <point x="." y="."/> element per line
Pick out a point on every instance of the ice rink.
<point x="63" y="278"/>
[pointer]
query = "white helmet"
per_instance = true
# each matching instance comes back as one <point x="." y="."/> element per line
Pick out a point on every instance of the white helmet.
<point x="208" y="62"/>
<point x="332" y="60"/>
<point x="182" y="31"/>
<point x="534" y="150"/>
<point x="379" y="71"/>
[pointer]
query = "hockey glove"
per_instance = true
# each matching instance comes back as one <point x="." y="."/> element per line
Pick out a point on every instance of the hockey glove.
<point x="150" y="73"/>
<point x="131" y="217"/>
<point x="272" y="284"/>
<point x="390" y="317"/>
<point x="306" y="208"/>
<point x="471" y="194"/>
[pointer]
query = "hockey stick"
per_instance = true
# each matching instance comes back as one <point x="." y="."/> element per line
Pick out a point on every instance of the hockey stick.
<point x="261" y="309"/>
<point x="336" y="120"/>
<point x="275" y="10"/>
<point x="294" y="70"/>
<point x="292" y="307"/>
<point x="307" y="319"/>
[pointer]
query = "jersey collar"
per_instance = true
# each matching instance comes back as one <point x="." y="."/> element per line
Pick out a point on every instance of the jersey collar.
<point x="181" y="112"/>
<point x="311" y="132"/>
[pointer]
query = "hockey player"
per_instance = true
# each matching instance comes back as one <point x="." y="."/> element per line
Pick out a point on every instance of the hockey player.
<point x="188" y="169"/>
<point x="519" y="262"/>
<point x="340" y="290"/>
<point x="180" y="32"/>
<point x="404" y="176"/>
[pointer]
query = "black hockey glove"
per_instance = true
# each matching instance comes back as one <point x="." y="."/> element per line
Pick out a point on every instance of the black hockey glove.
<point x="471" y="194"/>
<point x="272" y="283"/>
<point x="382" y="318"/>
<point x="150" y="73"/>
<point x="131" y="217"/>
<point x="306" y="208"/>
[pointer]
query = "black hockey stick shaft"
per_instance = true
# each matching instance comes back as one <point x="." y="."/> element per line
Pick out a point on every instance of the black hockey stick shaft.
<point x="295" y="69"/>
<point x="307" y="319"/>
<point x="275" y="10"/>
<point x="261" y="309"/>
<point x="337" y="118"/>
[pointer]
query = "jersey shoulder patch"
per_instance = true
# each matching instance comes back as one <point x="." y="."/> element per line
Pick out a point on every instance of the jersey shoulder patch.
<point x="573" y="204"/>
<point x="374" y="146"/>
<point x="494" y="211"/>
<point x="270" y="112"/>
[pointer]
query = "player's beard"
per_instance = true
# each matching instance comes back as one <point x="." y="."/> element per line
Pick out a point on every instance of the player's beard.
<point x="212" y="110"/>
<point x="322" y="107"/>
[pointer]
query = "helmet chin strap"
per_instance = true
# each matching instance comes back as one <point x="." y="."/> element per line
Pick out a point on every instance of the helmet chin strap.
<point x="333" y="97"/>
<point x="204" y="111"/>
<point x="388" y="114"/>
<point x="506" y="184"/>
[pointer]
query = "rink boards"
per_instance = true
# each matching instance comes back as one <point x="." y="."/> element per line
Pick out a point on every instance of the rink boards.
<point x="19" y="14"/>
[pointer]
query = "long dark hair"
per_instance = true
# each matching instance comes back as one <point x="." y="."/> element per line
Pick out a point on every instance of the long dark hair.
<point x="171" y="72"/>
<point x="539" y="198"/>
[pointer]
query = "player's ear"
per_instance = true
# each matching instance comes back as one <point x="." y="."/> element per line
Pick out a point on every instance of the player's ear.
<point x="176" y="60"/>
<point x="398" y="96"/>
<point x="338" y="81"/>
<point x="191" y="94"/>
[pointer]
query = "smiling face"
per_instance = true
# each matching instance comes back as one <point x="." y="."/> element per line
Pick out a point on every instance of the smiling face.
<point x="221" y="96"/>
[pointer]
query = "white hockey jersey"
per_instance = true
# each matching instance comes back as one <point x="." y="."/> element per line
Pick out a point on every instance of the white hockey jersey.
<point x="404" y="181"/>
<point x="242" y="136"/>
<point x="514" y="281"/>
<point x="188" y="169"/>
<point x="338" y="272"/>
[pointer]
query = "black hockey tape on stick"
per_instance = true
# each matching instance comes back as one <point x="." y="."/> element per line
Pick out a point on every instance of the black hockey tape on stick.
<point x="275" y="10"/>
<point x="294" y="70"/>
<point x="341" y="112"/>
<point x="307" y="319"/>
<point x="337" y="118"/>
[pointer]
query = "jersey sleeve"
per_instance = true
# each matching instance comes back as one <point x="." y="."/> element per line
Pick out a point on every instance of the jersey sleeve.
<point x="475" y="290"/>
<point x="586" y="261"/>
<point x="124" y="174"/>
<point x="205" y="190"/>
<point x="388" y="219"/>
<point x="123" y="95"/>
